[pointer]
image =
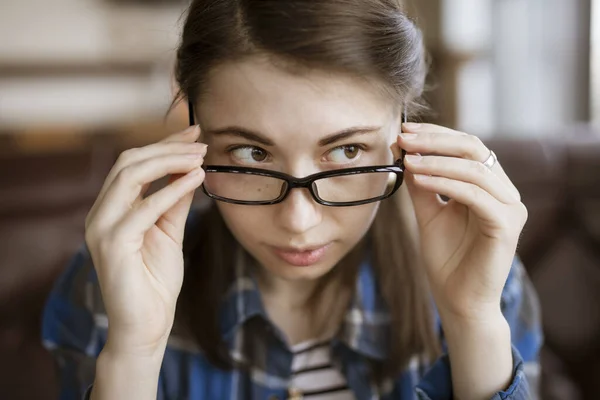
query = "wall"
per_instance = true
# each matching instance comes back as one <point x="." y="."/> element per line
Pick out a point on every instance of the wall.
<point x="84" y="62"/>
<point x="541" y="57"/>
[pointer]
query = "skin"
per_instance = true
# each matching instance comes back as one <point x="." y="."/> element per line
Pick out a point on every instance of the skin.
<point x="468" y="243"/>
<point x="309" y="109"/>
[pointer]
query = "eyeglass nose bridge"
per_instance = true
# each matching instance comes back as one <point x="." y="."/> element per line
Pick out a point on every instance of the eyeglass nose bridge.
<point x="306" y="182"/>
<point x="300" y="183"/>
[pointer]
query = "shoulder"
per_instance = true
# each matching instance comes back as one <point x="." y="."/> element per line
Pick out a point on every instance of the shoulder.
<point x="521" y="309"/>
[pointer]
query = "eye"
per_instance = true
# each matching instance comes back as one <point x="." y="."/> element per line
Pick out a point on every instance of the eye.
<point x="249" y="154"/>
<point x="343" y="154"/>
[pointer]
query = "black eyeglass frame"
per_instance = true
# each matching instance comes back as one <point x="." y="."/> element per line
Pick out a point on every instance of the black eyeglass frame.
<point x="292" y="182"/>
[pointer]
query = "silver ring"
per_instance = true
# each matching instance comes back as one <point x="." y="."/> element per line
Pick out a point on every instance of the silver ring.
<point x="491" y="160"/>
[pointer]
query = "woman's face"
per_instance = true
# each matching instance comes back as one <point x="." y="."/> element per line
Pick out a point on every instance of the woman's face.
<point x="292" y="118"/>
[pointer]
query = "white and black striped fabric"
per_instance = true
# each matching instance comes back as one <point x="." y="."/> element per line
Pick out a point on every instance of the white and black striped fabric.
<point x="313" y="375"/>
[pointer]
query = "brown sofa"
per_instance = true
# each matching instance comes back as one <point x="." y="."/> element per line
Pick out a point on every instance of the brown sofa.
<point x="44" y="199"/>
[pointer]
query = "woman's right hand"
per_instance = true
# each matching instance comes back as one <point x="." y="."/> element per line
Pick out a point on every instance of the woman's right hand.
<point x="136" y="242"/>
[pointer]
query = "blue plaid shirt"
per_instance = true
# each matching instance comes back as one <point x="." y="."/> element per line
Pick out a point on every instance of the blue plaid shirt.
<point x="75" y="326"/>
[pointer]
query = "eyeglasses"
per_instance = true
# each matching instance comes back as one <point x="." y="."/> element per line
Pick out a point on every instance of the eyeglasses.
<point x="338" y="188"/>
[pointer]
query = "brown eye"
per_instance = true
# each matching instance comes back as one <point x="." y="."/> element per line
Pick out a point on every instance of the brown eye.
<point x="259" y="154"/>
<point x="249" y="154"/>
<point x="345" y="154"/>
<point x="351" y="151"/>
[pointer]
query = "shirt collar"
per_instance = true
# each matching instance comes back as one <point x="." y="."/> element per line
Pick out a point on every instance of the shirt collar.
<point x="365" y="327"/>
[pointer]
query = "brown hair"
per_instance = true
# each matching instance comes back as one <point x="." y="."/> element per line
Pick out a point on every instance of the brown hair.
<point x="374" y="40"/>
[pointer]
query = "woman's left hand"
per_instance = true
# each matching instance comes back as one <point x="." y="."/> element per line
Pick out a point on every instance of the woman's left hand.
<point x="468" y="243"/>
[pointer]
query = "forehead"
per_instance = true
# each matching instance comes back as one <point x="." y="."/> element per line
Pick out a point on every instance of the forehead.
<point x="258" y="95"/>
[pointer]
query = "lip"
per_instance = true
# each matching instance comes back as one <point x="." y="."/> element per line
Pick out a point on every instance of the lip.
<point x="302" y="257"/>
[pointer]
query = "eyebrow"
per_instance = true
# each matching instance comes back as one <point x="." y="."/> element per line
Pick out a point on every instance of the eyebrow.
<point x="257" y="137"/>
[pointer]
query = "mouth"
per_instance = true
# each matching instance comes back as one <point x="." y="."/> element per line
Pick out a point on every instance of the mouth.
<point x="302" y="256"/>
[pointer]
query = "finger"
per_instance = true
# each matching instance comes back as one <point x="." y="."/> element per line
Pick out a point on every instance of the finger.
<point x="483" y="204"/>
<point x="146" y="214"/>
<point x="452" y="143"/>
<point x="173" y="220"/>
<point x="178" y="143"/>
<point x="132" y="156"/>
<point x="128" y="184"/>
<point x="412" y="127"/>
<point x="426" y="204"/>
<point x="190" y="134"/>
<point x="136" y="155"/>
<point x="464" y="170"/>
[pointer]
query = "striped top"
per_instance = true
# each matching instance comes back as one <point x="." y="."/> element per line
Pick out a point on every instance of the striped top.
<point x="313" y="375"/>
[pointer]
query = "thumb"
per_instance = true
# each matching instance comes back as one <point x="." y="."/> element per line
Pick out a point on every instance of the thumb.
<point x="425" y="203"/>
<point x="173" y="221"/>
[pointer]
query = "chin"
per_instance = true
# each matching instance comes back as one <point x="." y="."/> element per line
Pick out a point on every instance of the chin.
<point x="292" y="273"/>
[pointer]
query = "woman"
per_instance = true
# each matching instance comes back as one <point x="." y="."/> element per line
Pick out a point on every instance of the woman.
<point x="326" y="266"/>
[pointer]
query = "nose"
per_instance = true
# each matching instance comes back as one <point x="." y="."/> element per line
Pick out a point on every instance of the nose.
<point x="299" y="212"/>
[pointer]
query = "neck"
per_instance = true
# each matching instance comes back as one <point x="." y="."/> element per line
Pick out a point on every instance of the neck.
<point x="290" y="295"/>
<point x="291" y="305"/>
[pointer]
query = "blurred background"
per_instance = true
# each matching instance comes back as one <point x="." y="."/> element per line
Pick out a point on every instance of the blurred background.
<point x="81" y="80"/>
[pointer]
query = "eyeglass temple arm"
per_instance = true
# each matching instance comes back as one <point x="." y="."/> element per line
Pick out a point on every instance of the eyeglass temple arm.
<point x="404" y="120"/>
<point x="191" y="113"/>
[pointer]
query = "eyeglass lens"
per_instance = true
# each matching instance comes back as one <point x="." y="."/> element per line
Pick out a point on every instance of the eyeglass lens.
<point x="342" y="189"/>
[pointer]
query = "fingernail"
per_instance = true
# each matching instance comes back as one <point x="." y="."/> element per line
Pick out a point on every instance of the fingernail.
<point x="195" y="172"/>
<point x="413" y="158"/>
<point x="420" y="177"/>
<point x="193" y="129"/>
<point x="413" y="126"/>
<point x="410" y="136"/>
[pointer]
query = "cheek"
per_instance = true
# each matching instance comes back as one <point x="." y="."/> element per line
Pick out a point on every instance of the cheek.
<point x="245" y="221"/>
<point x="353" y="222"/>
<point x="349" y="224"/>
